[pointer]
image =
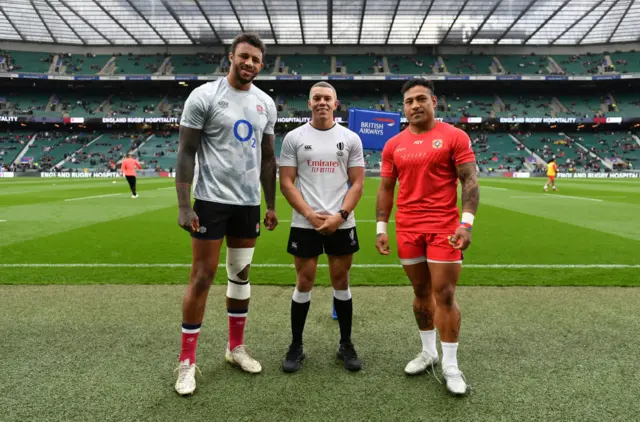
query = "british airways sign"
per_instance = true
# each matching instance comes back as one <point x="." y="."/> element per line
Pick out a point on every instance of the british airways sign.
<point x="374" y="127"/>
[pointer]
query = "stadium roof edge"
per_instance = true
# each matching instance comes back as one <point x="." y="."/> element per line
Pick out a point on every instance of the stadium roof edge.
<point x="278" y="49"/>
<point x="517" y="22"/>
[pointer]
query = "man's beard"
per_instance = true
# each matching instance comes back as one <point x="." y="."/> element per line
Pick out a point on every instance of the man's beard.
<point x="242" y="80"/>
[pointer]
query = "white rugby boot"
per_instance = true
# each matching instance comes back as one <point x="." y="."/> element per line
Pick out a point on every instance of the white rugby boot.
<point x="420" y="364"/>
<point x="186" y="383"/>
<point x="456" y="383"/>
<point x="241" y="358"/>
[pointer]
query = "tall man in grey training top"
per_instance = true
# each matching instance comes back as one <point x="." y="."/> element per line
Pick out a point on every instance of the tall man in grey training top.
<point x="230" y="124"/>
<point x="322" y="176"/>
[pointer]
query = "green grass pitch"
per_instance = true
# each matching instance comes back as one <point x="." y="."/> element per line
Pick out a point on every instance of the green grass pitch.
<point x="91" y="282"/>
<point x="587" y="233"/>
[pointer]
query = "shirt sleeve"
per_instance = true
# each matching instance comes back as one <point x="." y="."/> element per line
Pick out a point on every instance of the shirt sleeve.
<point x="272" y="117"/>
<point x="388" y="168"/>
<point x="356" y="155"/>
<point x="288" y="153"/>
<point x="463" y="149"/>
<point x="194" y="112"/>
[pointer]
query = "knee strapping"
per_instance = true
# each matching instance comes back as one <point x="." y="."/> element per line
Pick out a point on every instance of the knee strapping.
<point x="238" y="259"/>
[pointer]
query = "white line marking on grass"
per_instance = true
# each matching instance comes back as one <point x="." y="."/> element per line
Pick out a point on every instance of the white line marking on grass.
<point x="496" y="266"/>
<point x="3" y="221"/>
<point x="90" y="197"/>
<point x="491" y="187"/>
<point x="548" y="195"/>
<point x="573" y="197"/>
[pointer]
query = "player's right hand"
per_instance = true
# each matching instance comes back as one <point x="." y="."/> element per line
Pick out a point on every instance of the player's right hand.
<point x="382" y="244"/>
<point x="317" y="220"/>
<point x="188" y="220"/>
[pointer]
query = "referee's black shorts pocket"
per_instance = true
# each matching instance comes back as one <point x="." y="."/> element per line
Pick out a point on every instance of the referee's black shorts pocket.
<point x="304" y="243"/>
<point x="342" y="242"/>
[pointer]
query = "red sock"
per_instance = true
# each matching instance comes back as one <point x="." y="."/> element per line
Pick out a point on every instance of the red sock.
<point x="189" y="342"/>
<point x="236" y="329"/>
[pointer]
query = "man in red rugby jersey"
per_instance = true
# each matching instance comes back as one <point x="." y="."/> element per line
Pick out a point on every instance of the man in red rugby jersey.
<point x="428" y="158"/>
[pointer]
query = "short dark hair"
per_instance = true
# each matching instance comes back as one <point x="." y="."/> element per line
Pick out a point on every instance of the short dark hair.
<point x="251" y="39"/>
<point x="323" y="84"/>
<point x="551" y="161"/>
<point x="418" y="82"/>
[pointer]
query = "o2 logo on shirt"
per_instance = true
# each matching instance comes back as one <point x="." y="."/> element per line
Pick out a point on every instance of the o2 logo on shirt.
<point x="243" y="131"/>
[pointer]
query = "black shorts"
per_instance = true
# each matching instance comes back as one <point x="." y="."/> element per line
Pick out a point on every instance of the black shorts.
<point x="218" y="220"/>
<point x="308" y="243"/>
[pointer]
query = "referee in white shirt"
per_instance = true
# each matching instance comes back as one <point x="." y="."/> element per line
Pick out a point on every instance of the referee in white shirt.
<point x="322" y="177"/>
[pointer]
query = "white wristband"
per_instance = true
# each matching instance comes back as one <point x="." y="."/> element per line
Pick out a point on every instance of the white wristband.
<point x="381" y="227"/>
<point x="467" y="217"/>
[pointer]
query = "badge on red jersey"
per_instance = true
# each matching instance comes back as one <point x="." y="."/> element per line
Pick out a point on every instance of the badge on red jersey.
<point x="436" y="143"/>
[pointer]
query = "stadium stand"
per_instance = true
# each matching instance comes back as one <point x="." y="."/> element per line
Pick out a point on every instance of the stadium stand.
<point x="498" y="152"/>
<point x="455" y="105"/>
<point x="11" y="143"/>
<point x="581" y="64"/>
<point x="318" y="64"/>
<point x="83" y="64"/>
<point x="372" y="159"/>
<point x="582" y="106"/>
<point x="570" y="156"/>
<point x="28" y="62"/>
<point x="522" y="105"/>
<point x="198" y="64"/>
<point x="366" y="101"/>
<point x="618" y="147"/>
<point x="160" y="151"/>
<point x="365" y="64"/>
<point x="412" y="65"/>
<point x="51" y="147"/>
<point x="626" y="62"/>
<point x="524" y="64"/>
<point x="137" y="64"/>
<point x="296" y="102"/>
<point x="67" y="103"/>
<point x="22" y="104"/>
<point x="468" y="65"/>
<point x="105" y="150"/>
<point x="278" y="143"/>
<point x="133" y="105"/>
<point x="627" y="105"/>
<point x="305" y="64"/>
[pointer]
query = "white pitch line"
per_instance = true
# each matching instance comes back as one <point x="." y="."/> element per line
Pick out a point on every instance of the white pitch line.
<point x="90" y="197"/>
<point x="491" y="187"/>
<point x="3" y="221"/>
<point x="495" y="266"/>
<point x="548" y="195"/>
<point x="573" y="197"/>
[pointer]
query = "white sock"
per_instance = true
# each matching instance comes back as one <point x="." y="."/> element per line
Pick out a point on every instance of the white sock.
<point x="449" y="352"/>
<point x="301" y="297"/>
<point x="429" y="342"/>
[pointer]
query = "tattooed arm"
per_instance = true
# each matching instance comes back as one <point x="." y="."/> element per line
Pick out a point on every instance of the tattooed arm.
<point x="470" y="200"/>
<point x="268" y="170"/>
<point x="470" y="189"/>
<point x="268" y="179"/>
<point x="186" y="161"/>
